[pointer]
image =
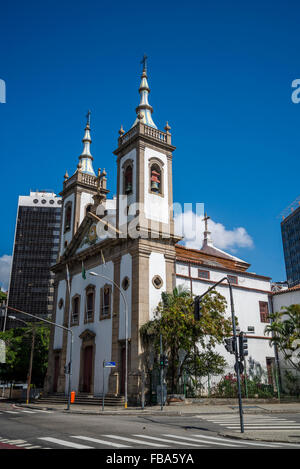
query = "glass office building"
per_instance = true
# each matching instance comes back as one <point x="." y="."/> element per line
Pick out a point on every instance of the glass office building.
<point x="36" y="247"/>
<point x="290" y="230"/>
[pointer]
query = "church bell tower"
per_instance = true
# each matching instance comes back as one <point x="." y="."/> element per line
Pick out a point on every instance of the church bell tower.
<point x="144" y="218"/>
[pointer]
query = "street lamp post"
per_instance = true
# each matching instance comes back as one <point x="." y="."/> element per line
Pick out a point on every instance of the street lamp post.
<point x="61" y="327"/>
<point x="126" y="330"/>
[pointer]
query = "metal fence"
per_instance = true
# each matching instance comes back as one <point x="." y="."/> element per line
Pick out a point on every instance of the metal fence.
<point x="259" y="382"/>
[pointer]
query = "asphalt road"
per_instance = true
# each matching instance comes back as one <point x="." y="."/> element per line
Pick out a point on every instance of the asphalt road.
<point x="39" y="429"/>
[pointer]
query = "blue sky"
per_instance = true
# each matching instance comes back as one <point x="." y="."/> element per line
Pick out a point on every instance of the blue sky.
<point x="219" y="72"/>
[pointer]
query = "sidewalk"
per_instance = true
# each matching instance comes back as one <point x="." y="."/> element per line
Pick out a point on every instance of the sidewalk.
<point x="285" y="435"/>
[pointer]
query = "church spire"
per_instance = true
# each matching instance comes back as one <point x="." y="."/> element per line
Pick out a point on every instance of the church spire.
<point x="86" y="158"/>
<point x="144" y="110"/>
<point x="207" y="241"/>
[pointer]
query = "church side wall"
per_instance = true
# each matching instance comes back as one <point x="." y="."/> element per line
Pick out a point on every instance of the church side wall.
<point x="246" y="305"/>
<point x="157" y="266"/>
<point x="126" y="271"/>
<point x="58" y="332"/>
<point x="101" y="328"/>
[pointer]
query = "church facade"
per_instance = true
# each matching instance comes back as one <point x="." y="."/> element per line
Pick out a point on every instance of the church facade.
<point x="118" y="255"/>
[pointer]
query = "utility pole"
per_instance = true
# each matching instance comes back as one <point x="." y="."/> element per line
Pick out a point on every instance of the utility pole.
<point x="30" y="365"/>
<point x="161" y="376"/>
<point x="231" y="343"/>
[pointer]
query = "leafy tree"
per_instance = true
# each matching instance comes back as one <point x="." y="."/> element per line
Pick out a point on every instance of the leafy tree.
<point x="18" y="342"/>
<point x="284" y="329"/>
<point x="174" y="320"/>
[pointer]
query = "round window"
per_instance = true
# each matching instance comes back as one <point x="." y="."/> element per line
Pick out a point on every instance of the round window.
<point x="51" y="202"/>
<point x="125" y="283"/>
<point x="43" y="201"/>
<point x="35" y="201"/>
<point x="157" y="281"/>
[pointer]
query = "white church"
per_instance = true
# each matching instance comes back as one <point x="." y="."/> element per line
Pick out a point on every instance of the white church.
<point x="118" y="255"/>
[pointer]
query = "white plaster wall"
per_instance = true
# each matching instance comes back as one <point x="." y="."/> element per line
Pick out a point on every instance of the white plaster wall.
<point x="125" y="271"/>
<point x="182" y="269"/>
<point x="246" y="307"/>
<point x="58" y="332"/>
<point x="244" y="280"/>
<point x="156" y="207"/>
<point x="157" y="266"/>
<point x="85" y="200"/>
<point x="102" y="329"/>
<point x="67" y="236"/>
<point x="285" y="299"/>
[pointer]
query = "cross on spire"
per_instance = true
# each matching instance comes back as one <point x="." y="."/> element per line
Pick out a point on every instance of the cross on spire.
<point x="205" y="219"/>
<point x="144" y="62"/>
<point x="88" y="116"/>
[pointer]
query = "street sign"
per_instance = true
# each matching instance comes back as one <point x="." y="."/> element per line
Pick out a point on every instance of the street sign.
<point x="2" y="351"/>
<point x="109" y="364"/>
<point x="241" y="367"/>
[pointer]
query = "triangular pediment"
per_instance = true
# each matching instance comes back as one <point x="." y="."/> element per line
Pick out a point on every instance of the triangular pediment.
<point x="92" y="231"/>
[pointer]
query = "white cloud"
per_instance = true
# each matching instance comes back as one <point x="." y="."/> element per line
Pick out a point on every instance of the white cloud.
<point x="191" y="227"/>
<point x="5" y="265"/>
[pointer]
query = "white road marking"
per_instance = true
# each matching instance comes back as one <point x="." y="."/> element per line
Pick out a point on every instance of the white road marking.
<point x="271" y="445"/>
<point x="65" y="443"/>
<point x="201" y="441"/>
<point x="166" y="440"/>
<point x="136" y="441"/>
<point x="96" y="440"/>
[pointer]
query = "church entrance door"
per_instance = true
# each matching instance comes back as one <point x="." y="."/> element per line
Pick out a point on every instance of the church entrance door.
<point x="87" y="368"/>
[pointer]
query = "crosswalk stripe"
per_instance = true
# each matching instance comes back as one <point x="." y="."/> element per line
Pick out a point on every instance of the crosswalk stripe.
<point x="12" y="442"/>
<point x="11" y="412"/>
<point x="273" y="427"/>
<point x="245" y="442"/>
<point x="33" y="447"/>
<point x="135" y="441"/>
<point x="65" y="443"/>
<point x="28" y="411"/>
<point x="167" y="440"/>
<point x="25" y="444"/>
<point x="201" y="441"/>
<point x="96" y="440"/>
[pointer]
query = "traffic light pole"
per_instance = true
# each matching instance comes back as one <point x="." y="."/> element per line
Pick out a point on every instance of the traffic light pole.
<point x="71" y="342"/>
<point x="161" y="376"/>
<point x="198" y="299"/>
<point x="236" y="358"/>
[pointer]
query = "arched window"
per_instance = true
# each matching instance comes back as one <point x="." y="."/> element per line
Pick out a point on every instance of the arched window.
<point x="75" y="309"/>
<point x="155" y="179"/>
<point x="105" y="302"/>
<point x="68" y="216"/>
<point x="90" y="304"/>
<point x="128" y="180"/>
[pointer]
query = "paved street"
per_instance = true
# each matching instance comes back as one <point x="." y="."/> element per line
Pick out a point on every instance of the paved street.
<point x="36" y="428"/>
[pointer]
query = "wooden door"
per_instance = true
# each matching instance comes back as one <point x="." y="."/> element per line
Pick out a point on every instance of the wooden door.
<point x="87" y="368"/>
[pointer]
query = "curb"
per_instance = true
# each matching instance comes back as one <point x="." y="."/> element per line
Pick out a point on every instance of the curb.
<point x="253" y="438"/>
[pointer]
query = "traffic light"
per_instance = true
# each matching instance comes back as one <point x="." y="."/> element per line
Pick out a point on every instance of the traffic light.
<point x="230" y="345"/>
<point x="163" y="361"/>
<point x="243" y="346"/>
<point x="67" y="369"/>
<point x="197" y="308"/>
